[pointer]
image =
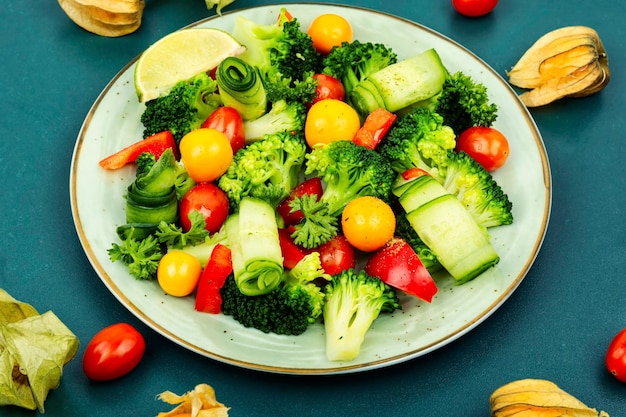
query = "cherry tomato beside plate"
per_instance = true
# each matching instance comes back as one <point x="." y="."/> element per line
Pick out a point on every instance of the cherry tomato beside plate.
<point x="486" y="145"/>
<point x="208" y="199"/>
<point x="228" y="121"/>
<point x="474" y="8"/>
<point x="113" y="352"/>
<point x="616" y="356"/>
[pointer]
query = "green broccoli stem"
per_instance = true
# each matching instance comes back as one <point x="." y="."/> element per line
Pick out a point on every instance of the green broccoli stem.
<point x="241" y="87"/>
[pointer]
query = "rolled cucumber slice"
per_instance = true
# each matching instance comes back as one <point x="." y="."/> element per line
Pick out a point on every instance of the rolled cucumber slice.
<point x="448" y="229"/>
<point x="420" y="191"/>
<point x="401" y="84"/>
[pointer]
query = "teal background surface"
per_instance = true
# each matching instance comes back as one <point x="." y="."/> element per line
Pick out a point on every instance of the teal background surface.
<point x="556" y="325"/>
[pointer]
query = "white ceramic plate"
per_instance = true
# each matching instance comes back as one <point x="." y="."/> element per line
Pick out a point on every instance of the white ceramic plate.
<point x="98" y="207"/>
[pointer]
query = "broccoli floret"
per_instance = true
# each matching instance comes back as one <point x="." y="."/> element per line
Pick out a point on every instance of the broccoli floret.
<point x="289" y="309"/>
<point x="144" y="162"/>
<point x="418" y="139"/>
<point x="282" y="117"/>
<point x="464" y="103"/>
<point x="347" y="171"/>
<point x="183" y="109"/>
<point x="405" y="230"/>
<point x="284" y="55"/>
<point x="477" y="190"/>
<point x="267" y="169"/>
<point x="352" y="62"/>
<point x="353" y="301"/>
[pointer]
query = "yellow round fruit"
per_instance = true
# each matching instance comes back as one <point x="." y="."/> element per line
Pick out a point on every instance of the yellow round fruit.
<point x="206" y="154"/>
<point x="330" y="120"/>
<point x="368" y="223"/>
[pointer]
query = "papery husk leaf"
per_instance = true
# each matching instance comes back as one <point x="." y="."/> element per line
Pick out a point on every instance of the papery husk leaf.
<point x="35" y="349"/>
<point x="537" y="397"/>
<point x="111" y="18"/>
<point x="568" y="85"/>
<point x="200" y="402"/>
<point x="12" y="310"/>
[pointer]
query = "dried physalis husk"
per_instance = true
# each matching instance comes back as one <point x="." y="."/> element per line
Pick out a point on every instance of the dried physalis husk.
<point x="200" y="402"/>
<point x="537" y="398"/>
<point x="111" y="18"/>
<point x="567" y="62"/>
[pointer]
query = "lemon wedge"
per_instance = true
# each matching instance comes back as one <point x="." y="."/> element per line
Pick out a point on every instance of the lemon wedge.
<point x="179" y="56"/>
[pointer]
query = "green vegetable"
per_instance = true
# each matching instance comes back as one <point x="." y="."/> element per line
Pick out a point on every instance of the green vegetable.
<point x="253" y="240"/>
<point x="405" y="231"/>
<point x="282" y="117"/>
<point x="400" y="85"/>
<point x="477" y="191"/>
<point x="289" y="309"/>
<point x="241" y="88"/>
<point x="463" y="103"/>
<point x="460" y="244"/>
<point x="353" y="301"/>
<point x="142" y="256"/>
<point x="267" y="169"/>
<point x="284" y="55"/>
<point x="151" y="198"/>
<point x="347" y="171"/>
<point x="174" y="237"/>
<point x="418" y="139"/>
<point x="183" y="109"/>
<point x="352" y="62"/>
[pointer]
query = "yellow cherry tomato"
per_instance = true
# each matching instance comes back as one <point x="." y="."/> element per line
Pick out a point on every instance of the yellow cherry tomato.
<point x="330" y="120"/>
<point x="178" y="273"/>
<point x="328" y="30"/>
<point x="368" y="223"/>
<point x="206" y="154"/>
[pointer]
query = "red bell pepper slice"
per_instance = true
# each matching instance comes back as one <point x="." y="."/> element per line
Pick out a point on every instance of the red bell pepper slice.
<point x="398" y="265"/>
<point x="292" y="253"/>
<point x="214" y="274"/>
<point x="375" y="127"/>
<point x="310" y="186"/>
<point x="155" y="144"/>
<point x="413" y="173"/>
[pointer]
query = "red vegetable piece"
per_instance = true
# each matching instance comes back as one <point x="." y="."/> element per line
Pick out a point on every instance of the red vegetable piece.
<point x="155" y="144"/>
<point x="292" y="253"/>
<point x="217" y="269"/>
<point x="337" y="255"/>
<point x="113" y="352"/>
<point x="311" y="186"/>
<point x="398" y="265"/>
<point x="413" y="173"/>
<point x="375" y="127"/>
<point x="616" y="356"/>
<point x="228" y="121"/>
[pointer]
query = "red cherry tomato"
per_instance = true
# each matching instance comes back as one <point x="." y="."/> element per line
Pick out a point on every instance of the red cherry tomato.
<point x="113" y="352"/>
<point x="328" y="87"/>
<point x="210" y="201"/>
<point x="292" y="252"/>
<point x="616" y="356"/>
<point x="311" y="186"/>
<point x="474" y="8"/>
<point x="486" y="145"/>
<point x="337" y="255"/>
<point x="228" y="121"/>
